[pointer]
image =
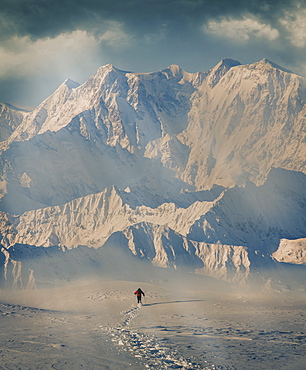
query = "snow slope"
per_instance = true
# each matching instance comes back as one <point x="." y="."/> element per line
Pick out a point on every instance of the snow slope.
<point x="222" y="233"/>
<point x="185" y="323"/>
<point x="224" y="126"/>
<point x="10" y="119"/>
<point x="253" y="119"/>
<point x="199" y="171"/>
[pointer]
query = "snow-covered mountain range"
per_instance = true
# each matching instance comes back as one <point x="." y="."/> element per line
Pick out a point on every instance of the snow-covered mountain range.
<point x="199" y="171"/>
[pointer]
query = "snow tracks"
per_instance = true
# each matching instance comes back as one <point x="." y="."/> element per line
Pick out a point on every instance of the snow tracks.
<point x="150" y="350"/>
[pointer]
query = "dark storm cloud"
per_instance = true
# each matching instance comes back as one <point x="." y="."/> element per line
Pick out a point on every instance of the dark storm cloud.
<point x="47" y="18"/>
<point x="42" y="42"/>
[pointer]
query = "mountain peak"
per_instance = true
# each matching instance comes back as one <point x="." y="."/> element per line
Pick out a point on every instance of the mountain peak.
<point x="175" y="69"/>
<point x="104" y="70"/>
<point x="267" y="62"/>
<point x="110" y="68"/>
<point x="12" y="107"/>
<point x="216" y="73"/>
<point x="71" y="84"/>
<point x="227" y="63"/>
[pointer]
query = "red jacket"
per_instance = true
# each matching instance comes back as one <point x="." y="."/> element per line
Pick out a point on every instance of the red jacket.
<point x="139" y="292"/>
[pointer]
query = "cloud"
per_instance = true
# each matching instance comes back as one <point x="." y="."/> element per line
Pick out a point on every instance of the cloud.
<point x="241" y="30"/>
<point x="295" y="24"/>
<point x="38" y="19"/>
<point x="48" y="41"/>
<point x="115" y="36"/>
<point x="21" y="56"/>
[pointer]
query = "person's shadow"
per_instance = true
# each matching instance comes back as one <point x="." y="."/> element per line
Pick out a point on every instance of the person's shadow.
<point x="187" y="301"/>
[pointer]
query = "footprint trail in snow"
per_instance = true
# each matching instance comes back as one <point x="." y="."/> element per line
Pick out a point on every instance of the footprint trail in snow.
<point x="149" y="349"/>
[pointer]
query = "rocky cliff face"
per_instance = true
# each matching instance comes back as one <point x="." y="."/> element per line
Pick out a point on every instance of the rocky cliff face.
<point x="225" y="126"/>
<point x="198" y="171"/>
<point x="223" y="233"/>
<point x="291" y="251"/>
<point x="10" y="118"/>
<point x="253" y="121"/>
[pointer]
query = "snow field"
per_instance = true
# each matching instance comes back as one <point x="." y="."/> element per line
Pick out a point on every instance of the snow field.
<point x="96" y="324"/>
<point x="149" y="349"/>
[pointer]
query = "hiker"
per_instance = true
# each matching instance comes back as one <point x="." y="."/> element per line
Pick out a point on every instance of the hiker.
<point x="138" y="294"/>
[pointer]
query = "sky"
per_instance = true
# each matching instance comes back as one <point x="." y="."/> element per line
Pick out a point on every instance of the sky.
<point x="43" y="42"/>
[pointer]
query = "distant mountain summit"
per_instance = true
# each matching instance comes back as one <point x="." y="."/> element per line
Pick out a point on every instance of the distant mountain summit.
<point x="167" y="143"/>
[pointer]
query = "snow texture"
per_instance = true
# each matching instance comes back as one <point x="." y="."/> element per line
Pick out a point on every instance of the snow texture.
<point x="212" y="163"/>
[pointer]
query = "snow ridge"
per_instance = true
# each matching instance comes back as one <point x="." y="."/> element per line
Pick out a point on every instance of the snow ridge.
<point x="212" y="165"/>
<point x="226" y="235"/>
<point x="225" y="126"/>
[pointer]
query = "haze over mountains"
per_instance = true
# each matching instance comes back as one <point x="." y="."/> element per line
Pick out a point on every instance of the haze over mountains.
<point x="203" y="172"/>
